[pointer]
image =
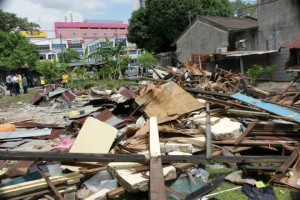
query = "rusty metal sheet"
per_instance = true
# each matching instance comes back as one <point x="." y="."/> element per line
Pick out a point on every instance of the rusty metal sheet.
<point x="54" y="134"/>
<point x="128" y="94"/>
<point x="20" y="168"/>
<point x="68" y="96"/>
<point x="35" y="125"/>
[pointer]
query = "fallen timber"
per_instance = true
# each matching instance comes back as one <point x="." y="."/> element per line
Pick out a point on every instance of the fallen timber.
<point x="87" y="157"/>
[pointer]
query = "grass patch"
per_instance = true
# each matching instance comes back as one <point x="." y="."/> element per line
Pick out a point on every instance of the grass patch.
<point x="6" y="100"/>
<point x="281" y="193"/>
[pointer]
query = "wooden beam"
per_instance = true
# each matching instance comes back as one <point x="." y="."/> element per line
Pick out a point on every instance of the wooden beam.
<point x="116" y="192"/>
<point x="52" y="186"/>
<point x="247" y="131"/>
<point x="157" y="182"/>
<point x="291" y="159"/>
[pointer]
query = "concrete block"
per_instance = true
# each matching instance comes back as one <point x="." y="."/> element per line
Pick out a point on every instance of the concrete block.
<point x="226" y="129"/>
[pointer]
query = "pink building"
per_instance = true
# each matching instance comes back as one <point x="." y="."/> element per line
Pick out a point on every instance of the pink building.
<point x="87" y="30"/>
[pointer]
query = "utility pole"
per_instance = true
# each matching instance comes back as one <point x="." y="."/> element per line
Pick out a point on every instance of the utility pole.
<point x="62" y="49"/>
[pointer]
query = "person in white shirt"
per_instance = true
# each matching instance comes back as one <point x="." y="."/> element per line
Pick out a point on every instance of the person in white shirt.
<point x="9" y="84"/>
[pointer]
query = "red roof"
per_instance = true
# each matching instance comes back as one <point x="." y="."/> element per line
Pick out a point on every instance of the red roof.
<point x="294" y="45"/>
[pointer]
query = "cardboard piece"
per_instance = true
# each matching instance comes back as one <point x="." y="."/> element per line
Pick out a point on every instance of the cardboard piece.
<point x="168" y="102"/>
<point x="94" y="137"/>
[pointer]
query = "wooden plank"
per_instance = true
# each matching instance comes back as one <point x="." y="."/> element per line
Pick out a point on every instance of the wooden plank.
<point x="94" y="137"/>
<point x="277" y="97"/>
<point x="247" y="131"/>
<point x="157" y="183"/>
<point x="154" y="138"/>
<point x="291" y="159"/>
<point x="116" y="192"/>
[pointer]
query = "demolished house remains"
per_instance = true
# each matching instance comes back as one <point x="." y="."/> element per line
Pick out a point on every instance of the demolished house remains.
<point x="76" y="144"/>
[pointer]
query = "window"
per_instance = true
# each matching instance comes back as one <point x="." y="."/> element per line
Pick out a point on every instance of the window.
<point x="43" y="47"/>
<point x="85" y="34"/>
<point x="104" y="34"/>
<point x="58" y="46"/>
<point x="73" y="34"/>
<point x="104" y="45"/>
<point x="43" y="57"/>
<point x="95" y="34"/>
<point x="75" y="46"/>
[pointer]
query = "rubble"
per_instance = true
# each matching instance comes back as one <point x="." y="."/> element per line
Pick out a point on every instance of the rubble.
<point x="133" y="139"/>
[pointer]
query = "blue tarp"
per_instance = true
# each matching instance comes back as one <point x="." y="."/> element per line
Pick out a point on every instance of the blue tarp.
<point x="272" y="108"/>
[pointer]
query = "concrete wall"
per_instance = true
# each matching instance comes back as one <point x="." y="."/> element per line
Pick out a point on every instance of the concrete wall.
<point x="250" y="36"/>
<point x="200" y="38"/>
<point x="278" y="23"/>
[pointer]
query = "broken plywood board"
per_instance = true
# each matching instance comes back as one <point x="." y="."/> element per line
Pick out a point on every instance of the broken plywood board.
<point x="168" y="102"/>
<point x="135" y="182"/>
<point x="94" y="137"/>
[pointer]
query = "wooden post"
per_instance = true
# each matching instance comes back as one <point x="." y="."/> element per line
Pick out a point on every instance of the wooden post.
<point x="157" y="183"/>
<point x="241" y="65"/>
<point x="208" y="133"/>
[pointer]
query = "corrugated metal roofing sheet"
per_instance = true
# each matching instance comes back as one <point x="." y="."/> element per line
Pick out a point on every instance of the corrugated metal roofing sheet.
<point x="231" y="23"/>
<point x="128" y="94"/>
<point x="294" y="45"/>
<point x="68" y="96"/>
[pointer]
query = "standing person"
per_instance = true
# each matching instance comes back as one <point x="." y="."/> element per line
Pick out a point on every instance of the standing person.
<point x="65" y="78"/>
<point x="20" y="80"/>
<point x="16" y="84"/>
<point x="25" y="84"/>
<point x="9" y="84"/>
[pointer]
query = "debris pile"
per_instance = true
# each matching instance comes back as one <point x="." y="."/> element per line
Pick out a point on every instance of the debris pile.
<point x="72" y="144"/>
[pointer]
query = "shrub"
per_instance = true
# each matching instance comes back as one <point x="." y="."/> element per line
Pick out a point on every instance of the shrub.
<point x="257" y="71"/>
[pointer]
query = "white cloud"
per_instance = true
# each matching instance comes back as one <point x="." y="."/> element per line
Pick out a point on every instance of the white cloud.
<point x="46" y="12"/>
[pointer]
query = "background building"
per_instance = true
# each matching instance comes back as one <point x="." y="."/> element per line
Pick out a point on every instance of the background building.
<point x="87" y="30"/>
<point x="136" y="4"/>
<point x="73" y="16"/>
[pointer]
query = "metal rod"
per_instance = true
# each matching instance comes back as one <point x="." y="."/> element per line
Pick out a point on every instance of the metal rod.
<point x="85" y="157"/>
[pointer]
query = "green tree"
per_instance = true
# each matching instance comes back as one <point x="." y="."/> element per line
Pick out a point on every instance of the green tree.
<point x="51" y="70"/>
<point x="9" y="22"/>
<point x="157" y="26"/>
<point x="68" y="56"/>
<point x="257" y="71"/>
<point x="16" y="51"/>
<point x="146" y="60"/>
<point x="242" y="9"/>
<point x="113" y="58"/>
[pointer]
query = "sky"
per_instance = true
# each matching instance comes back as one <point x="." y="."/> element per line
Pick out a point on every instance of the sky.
<point x="46" y="12"/>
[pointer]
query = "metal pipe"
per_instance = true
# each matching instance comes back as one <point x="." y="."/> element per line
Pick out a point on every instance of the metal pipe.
<point x="86" y="157"/>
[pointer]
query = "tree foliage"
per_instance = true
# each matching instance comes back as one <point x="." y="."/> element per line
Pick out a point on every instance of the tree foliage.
<point x="242" y="9"/>
<point x="161" y="22"/>
<point x="9" y="22"/>
<point x="113" y="59"/>
<point x="68" y="56"/>
<point x="146" y="60"/>
<point x="16" y="51"/>
<point x="51" y="70"/>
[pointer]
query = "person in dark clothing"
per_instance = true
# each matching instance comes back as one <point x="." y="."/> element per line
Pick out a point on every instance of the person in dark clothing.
<point x="25" y="84"/>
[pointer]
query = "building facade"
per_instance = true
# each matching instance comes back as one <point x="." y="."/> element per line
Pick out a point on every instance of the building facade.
<point x="216" y="34"/>
<point x="279" y="25"/>
<point x="73" y="16"/>
<point x="88" y="30"/>
<point x="136" y="4"/>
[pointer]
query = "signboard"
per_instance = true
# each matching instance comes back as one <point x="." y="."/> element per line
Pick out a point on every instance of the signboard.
<point x="75" y="41"/>
<point x="33" y="34"/>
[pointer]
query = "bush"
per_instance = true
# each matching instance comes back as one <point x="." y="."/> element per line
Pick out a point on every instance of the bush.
<point x="257" y="71"/>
